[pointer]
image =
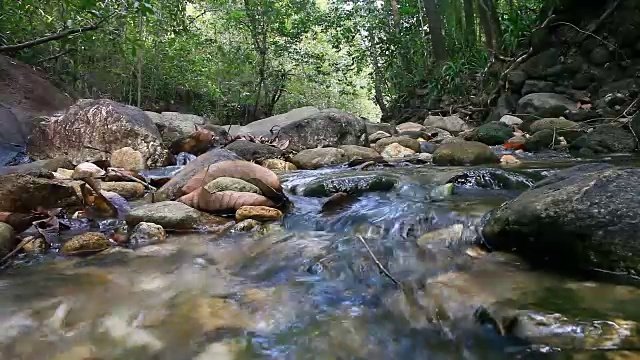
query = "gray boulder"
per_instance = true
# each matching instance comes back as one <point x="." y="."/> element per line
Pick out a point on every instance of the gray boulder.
<point x="311" y="159"/>
<point x="264" y="126"/>
<point x="464" y="153"/>
<point x="583" y="222"/>
<point x="92" y="129"/>
<point x="605" y="139"/>
<point x="171" y="215"/>
<point x="251" y="151"/>
<point x="326" y="128"/>
<point x="452" y="124"/>
<point x="546" y="105"/>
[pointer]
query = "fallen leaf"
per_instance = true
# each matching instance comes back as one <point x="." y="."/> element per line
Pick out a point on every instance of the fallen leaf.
<point x="223" y="201"/>
<point x="96" y="205"/>
<point x="238" y="169"/>
<point x="278" y="197"/>
<point x="49" y="229"/>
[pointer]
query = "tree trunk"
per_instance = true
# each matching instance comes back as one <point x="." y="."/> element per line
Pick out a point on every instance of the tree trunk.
<point x="395" y="15"/>
<point x="434" y="21"/>
<point x="377" y="74"/>
<point x="469" y="22"/>
<point x="490" y="23"/>
<point x="140" y="55"/>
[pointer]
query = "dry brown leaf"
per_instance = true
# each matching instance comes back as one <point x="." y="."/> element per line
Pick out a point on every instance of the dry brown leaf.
<point x="223" y="201"/>
<point x="239" y="169"/>
<point x="96" y="205"/>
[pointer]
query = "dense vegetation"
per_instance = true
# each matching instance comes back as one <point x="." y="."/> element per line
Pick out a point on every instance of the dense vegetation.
<point x="222" y="58"/>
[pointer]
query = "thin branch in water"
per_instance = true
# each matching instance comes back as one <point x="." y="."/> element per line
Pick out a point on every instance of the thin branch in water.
<point x="22" y="244"/>
<point x="378" y="263"/>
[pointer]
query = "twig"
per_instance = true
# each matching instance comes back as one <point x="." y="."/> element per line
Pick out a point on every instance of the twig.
<point x="597" y="23"/>
<point x="612" y="46"/>
<point x="378" y="263"/>
<point x="22" y="244"/>
<point x="127" y="176"/>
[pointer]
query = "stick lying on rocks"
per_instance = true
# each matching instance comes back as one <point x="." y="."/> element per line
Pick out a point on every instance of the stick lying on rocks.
<point x="378" y="263"/>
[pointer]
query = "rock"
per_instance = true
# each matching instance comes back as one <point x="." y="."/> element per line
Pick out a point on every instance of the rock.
<point x="543" y="139"/>
<point x="7" y="239"/>
<point x="509" y="160"/>
<point x="173" y="188"/>
<point x="350" y="185"/>
<point x="584" y="222"/>
<point x="92" y="129"/>
<point x="412" y="144"/>
<point x="23" y="193"/>
<point x="605" y="139"/>
<point x="538" y="64"/>
<point x="168" y="214"/>
<point x="85" y="244"/>
<point x="600" y="55"/>
<point x="441" y="192"/>
<point x="373" y="138"/>
<point x="278" y="165"/>
<point x="424" y="157"/>
<point x="263" y="127"/>
<point x="545" y="105"/>
<point x="128" y="190"/>
<point x="493" y="133"/>
<point x="261" y="213"/>
<point x="452" y="124"/>
<point x="128" y="159"/>
<point x="231" y="184"/>
<point x="251" y="151"/>
<point x="506" y="104"/>
<point x="537" y="86"/>
<point x="35" y="245"/>
<point x="437" y="135"/>
<point x="464" y="153"/>
<point x="185" y="124"/>
<point x="553" y="124"/>
<point x="409" y="126"/>
<point x="47" y="165"/>
<point x="25" y="93"/>
<point x="87" y="170"/>
<point x="635" y="124"/>
<point x="396" y="150"/>
<point x="446" y="235"/>
<point x="353" y="152"/>
<point x="147" y="234"/>
<point x="246" y="225"/>
<point x="373" y="128"/>
<point x="511" y="120"/>
<point x="316" y="158"/>
<point x="326" y="128"/>
<point x="492" y="178"/>
<point x="516" y="79"/>
<point x="417" y="135"/>
<point x="427" y="147"/>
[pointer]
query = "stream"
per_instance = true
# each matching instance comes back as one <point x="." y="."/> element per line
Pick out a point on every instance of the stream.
<point x="309" y="289"/>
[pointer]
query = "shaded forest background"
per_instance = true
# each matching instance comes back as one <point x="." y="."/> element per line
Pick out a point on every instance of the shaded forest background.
<point x="235" y="61"/>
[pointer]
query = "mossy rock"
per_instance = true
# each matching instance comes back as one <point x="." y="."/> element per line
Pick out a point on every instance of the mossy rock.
<point x="86" y="244"/>
<point x="231" y="184"/>
<point x="493" y="133"/>
<point x="350" y="185"/>
<point x="463" y="153"/>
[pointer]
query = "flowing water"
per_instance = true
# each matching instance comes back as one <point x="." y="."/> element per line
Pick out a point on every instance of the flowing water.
<point x="308" y="288"/>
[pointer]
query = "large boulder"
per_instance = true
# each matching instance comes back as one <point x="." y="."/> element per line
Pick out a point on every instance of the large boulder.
<point x="493" y="133"/>
<point x="184" y="123"/>
<point x="25" y="94"/>
<point x="252" y="151"/>
<point x="605" y="139"/>
<point x="546" y="105"/>
<point x="373" y="127"/>
<point x="452" y="123"/>
<point x="92" y="129"/>
<point x="407" y="142"/>
<point x="583" y="222"/>
<point x="173" y="188"/>
<point x="263" y="127"/>
<point x="24" y="193"/>
<point x="326" y="128"/>
<point x="464" y="153"/>
<point x="311" y="159"/>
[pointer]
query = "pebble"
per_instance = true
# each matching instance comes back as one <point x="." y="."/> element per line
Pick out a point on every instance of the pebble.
<point x="146" y="233"/>
<point x="262" y="213"/>
<point x="509" y="160"/>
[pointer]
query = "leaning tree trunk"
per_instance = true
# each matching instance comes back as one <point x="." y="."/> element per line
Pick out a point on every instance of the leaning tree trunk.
<point x="490" y="23"/>
<point x="434" y="20"/>
<point x="469" y="22"/>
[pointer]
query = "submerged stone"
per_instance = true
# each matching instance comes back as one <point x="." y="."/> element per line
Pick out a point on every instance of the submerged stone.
<point x="350" y="185"/>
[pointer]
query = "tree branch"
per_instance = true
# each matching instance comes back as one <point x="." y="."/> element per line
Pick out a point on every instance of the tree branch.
<point x="57" y="36"/>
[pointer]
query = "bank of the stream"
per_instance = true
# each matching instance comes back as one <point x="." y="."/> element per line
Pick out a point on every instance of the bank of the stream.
<point x="308" y="288"/>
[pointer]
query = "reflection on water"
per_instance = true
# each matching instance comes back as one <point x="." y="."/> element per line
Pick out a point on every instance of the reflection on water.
<point x="308" y="289"/>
